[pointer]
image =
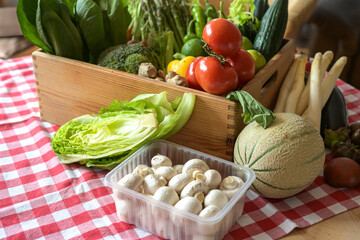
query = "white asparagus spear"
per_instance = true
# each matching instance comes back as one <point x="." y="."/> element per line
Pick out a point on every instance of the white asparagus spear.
<point x="304" y="97"/>
<point x="330" y="80"/>
<point x="315" y="103"/>
<point x="297" y="87"/>
<point x="286" y="85"/>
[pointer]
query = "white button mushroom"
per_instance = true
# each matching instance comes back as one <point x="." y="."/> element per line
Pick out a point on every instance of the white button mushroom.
<point x="166" y="172"/>
<point x="132" y="181"/>
<point x="160" y="160"/>
<point x="211" y="177"/>
<point x="216" y="197"/>
<point x="167" y="195"/>
<point x="230" y="185"/>
<point x="143" y="170"/>
<point x="152" y="183"/>
<point x="195" y="164"/>
<point x="189" y="204"/>
<point x="178" y="182"/>
<point x="123" y="209"/>
<point x="195" y="189"/>
<point x="178" y="168"/>
<point x="209" y="211"/>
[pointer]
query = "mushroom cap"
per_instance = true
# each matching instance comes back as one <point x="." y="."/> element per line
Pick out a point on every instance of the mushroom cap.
<point x="189" y="204"/>
<point x="216" y="197"/>
<point x="230" y="185"/>
<point x="209" y="211"/>
<point x="143" y="170"/>
<point x="152" y="183"/>
<point x="160" y="160"/>
<point x="167" y="195"/>
<point x="166" y="172"/>
<point x="195" y="164"/>
<point x="178" y="168"/>
<point x="179" y="181"/>
<point x="132" y="181"/>
<point x="213" y="178"/>
<point x="193" y="187"/>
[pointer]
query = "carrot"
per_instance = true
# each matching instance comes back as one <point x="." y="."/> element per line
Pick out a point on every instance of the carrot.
<point x="315" y="99"/>
<point x="286" y="85"/>
<point x="297" y="87"/>
<point x="304" y="97"/>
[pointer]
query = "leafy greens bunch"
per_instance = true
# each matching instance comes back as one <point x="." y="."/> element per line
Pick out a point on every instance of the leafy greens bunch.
<point x="242" y="14"/>
<point x="108" y="138"/>
<point x="77" y="29"/>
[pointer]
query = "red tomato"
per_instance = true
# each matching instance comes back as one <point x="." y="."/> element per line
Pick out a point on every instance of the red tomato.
<point x="244" y="65"/>
<point x="190" y="74"/>
<point x="215" y="78"/>
<point x="342" y="172"/>
<point x="222" y="36"/>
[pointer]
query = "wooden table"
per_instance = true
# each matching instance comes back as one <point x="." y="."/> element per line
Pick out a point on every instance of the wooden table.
<point x="344" y="226"/>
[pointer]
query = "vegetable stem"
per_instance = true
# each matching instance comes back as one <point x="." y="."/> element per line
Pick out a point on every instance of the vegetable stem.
<point x="286" y="85"/>
<point x="315" y="100"/>
<point x="297" y="87"/>
<point x="304" y="97"/>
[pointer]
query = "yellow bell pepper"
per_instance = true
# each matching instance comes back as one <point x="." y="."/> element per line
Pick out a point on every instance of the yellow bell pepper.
<point x="180" y="66"/>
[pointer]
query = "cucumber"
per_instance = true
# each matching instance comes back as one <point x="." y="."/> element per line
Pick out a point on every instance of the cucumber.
<point x="272" y="29"/>
<point x="260" y="8"/>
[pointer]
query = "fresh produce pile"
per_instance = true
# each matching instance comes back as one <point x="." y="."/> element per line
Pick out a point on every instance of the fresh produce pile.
<point x="316" y="98"/>
<point x="77" y="29"/>
<point x="195" y="44"/>
<point x="310" y="114"/>
<point x="192" y="187"/>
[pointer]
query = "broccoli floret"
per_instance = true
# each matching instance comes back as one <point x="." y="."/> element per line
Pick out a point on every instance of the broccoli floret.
<point x="116" y="57"/>
<point x="132" y="62"/>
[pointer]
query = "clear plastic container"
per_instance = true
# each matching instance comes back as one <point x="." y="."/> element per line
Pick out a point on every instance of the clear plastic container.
<point x="165" y="220"/>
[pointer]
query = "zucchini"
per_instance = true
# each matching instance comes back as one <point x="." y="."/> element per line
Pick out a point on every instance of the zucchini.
<point x="260" y="8"/>
<point x="272" y="29"/>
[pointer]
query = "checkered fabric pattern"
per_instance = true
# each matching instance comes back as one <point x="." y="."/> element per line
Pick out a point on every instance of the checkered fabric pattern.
<point x="41" y="198"/>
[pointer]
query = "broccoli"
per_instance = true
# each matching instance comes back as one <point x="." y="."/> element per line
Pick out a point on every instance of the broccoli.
<point x="132" y="62"/>
<point x="127" y="58"/>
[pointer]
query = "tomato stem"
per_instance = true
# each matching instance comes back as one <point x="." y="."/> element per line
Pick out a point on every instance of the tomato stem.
<point x="211" y="53"/>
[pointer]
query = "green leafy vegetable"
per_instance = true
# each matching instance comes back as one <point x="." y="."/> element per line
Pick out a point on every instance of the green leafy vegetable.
<point x="77" y="29"/>
<point x="90" y="19"/>
<point x="59" y="29"/>
<point x="26" y="14"/>
<point x="106" y="139"/>
<point x="244" y="18"/>
<point x="252" y="109"/>
<point x="333" y="136"/>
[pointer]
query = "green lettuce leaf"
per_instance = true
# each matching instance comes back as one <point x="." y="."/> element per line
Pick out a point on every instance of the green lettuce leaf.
<point x="108" y="138"/>
<point x="252" y="109"/>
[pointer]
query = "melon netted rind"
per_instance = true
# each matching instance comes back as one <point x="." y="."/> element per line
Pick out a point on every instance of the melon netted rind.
<point x="286" y="157"/>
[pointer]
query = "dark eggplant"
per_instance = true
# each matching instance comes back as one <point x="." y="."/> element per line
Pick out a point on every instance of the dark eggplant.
<point x="334" y="117"/>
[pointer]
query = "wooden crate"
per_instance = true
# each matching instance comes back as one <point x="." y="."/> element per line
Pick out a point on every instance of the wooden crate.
<point x="68" y="88"/>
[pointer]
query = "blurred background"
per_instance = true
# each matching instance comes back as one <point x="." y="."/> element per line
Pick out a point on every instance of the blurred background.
<point x="317" y="26"/>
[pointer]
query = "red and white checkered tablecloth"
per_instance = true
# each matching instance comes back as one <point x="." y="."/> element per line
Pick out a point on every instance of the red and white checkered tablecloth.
<point x="41" y="198"/>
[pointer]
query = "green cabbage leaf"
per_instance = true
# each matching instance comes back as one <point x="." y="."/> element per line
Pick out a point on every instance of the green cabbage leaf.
<point x="106" y="139"/>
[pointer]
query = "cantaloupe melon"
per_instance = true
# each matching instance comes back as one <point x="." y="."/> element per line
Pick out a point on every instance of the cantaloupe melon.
<point x="286" y="157"/>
